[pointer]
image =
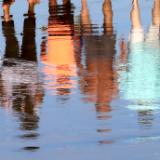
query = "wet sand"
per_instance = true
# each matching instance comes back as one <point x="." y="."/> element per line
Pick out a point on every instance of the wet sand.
<point x="79" y="80"/>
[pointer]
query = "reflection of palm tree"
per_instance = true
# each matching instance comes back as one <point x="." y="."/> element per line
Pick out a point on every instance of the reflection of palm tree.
<point x="141" y="85"/>
<point x="21" y="87"/>
<point x="60" y="59"/>
<point x="99" y="81"/>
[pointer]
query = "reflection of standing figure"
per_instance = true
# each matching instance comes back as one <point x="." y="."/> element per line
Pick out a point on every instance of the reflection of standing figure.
<point x="141" y="85"/>
<point x="144" y="60"/>
<point x="59" y="61"/>
<point x="98" y="83"/>
<point x="20" y="83"/>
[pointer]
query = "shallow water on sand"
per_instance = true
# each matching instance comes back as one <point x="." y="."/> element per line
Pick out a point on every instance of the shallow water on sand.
<point x="80" y="80"/>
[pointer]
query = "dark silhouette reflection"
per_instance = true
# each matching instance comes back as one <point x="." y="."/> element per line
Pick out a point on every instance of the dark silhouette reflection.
<point x="21" y="88"/>
<point x="145" y="118"/>
<point x="59" y="60"/>
<point x="97" y="83"/>
<point x="31" y="148"/>
<point x="140" y="80"/>
<point x="28" y="50"/>
<point x="8" y="29"/>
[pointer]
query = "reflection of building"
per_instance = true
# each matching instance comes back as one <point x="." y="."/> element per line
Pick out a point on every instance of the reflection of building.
<point x="21" y="88"/>
<point x="140" y="82"/>
<point x="98" y="83"/>
<point x="59" y="61"/>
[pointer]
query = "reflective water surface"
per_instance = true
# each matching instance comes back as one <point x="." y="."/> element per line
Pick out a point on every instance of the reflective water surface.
<point x="79" y="79"/>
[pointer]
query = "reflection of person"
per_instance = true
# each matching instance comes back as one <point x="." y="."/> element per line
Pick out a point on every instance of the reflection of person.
<point x="8" y="28"/>
<point x="31" y="7"/>
<point x="98" y="84"/>
<point x="59" y="61"/>
<point x="141" y="84"/>
<point x="6" y="9"/>
<point x="143" y="59"/>
<point x="85" y="18"/>
<point x="21" y="88"/>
